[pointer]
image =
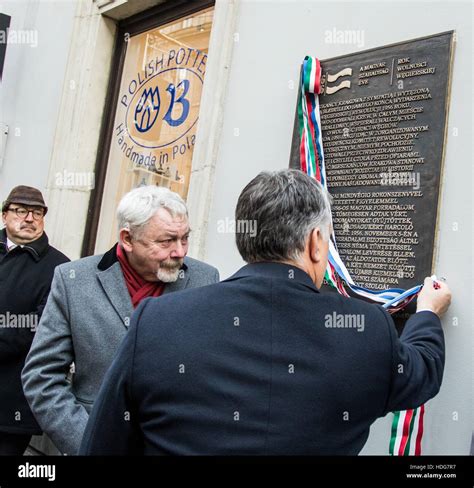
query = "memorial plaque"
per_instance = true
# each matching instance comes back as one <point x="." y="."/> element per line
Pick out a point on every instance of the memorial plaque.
<point x="384" y="118"/>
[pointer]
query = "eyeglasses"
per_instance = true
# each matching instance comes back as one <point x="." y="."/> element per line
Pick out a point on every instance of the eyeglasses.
<point x="22" y="212"/>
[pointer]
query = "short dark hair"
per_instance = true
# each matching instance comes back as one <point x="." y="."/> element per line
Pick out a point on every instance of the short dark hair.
<point x="286" y="206"/>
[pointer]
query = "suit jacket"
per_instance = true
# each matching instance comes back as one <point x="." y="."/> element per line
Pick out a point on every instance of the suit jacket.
<point x="85" y="320"/>
<point x="261" y="363"/>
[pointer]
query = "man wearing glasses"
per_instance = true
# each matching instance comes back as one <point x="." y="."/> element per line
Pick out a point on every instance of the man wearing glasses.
<point x="91" y="304"/>
<point x="27" y="263"/>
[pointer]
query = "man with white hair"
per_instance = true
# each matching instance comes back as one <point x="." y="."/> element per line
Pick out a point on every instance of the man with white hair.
<point x="91" y="303"/>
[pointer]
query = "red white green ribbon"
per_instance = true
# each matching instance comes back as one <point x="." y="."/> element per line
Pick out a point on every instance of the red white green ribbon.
<point x="407" y="432"/>
<point x="407" y="426"/>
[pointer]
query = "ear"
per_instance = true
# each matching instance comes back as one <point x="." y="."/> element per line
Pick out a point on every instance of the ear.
<point x="4" y="217"/>
<point x="126" y="240"/>
<point x="315" y="241"/>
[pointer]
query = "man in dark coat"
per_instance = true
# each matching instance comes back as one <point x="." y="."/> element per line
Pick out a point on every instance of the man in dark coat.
<point x="27" y="264"/>
<point x="263" y="362"/>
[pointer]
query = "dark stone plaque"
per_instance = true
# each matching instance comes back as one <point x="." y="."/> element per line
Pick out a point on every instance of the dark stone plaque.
<point x="383" y="117"/>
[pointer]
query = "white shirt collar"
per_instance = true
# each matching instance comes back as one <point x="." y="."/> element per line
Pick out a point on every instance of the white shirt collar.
<point x="11" y="245"/>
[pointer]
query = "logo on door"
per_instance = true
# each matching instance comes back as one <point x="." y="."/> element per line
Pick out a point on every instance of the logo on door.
<point x="164" y="108"/>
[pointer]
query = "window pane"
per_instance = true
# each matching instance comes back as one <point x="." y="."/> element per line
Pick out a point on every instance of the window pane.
<point x="157" y="112"/>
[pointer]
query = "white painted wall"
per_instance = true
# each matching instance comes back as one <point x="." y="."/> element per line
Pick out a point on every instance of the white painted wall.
<point x="31" y="89"/>
<point x="273" y="38"/>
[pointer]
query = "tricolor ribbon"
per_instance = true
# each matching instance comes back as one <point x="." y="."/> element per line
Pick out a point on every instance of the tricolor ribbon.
<point x="407" y="432"/>
<point x="403" y="440"/>
<point x="312" y="163"/>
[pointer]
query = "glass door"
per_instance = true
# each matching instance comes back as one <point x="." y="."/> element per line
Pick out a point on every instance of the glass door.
<point x="157" y="110"/>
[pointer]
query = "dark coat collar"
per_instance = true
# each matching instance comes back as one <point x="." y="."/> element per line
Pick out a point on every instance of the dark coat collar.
<point x="275" y="270"/>
<point x="110" y="258"/>
<point x="37" y="248"/>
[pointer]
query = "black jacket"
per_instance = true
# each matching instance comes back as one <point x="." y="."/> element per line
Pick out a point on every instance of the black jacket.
<point x="25" y="280"/>
<point x="261" y="363"/>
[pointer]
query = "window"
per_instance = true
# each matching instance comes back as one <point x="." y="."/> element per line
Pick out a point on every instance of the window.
<point x="156" y="110"/>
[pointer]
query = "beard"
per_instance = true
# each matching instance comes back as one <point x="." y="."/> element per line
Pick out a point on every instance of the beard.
<point x="168" y="271"/>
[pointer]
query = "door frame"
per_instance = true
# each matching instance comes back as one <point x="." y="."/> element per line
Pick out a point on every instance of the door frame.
<point x="138" y="23"/>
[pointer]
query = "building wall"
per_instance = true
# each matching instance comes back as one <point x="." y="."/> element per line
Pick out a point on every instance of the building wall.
<point x="30" y="91"/>
<point x="271" y="40"/>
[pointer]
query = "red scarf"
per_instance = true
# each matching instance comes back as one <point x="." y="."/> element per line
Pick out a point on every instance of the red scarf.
<point x="136" y="285"/>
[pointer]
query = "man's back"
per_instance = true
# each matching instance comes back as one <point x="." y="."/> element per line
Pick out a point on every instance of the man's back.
<point x="261" y="363"/>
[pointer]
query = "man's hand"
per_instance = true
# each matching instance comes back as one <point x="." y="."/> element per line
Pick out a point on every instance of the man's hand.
<point x="435" y="299"/>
